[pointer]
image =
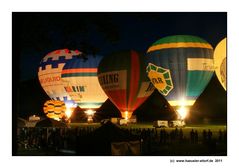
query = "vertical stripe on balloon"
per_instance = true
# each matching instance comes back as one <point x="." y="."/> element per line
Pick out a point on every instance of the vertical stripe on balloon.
<point x="134" y="78"/>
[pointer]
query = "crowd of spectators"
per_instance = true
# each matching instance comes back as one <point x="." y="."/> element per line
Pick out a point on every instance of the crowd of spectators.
<point x="70" y="139"/>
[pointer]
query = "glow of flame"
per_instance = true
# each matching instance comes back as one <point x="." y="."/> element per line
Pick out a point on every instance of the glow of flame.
<point x="126" y="115"/>
<point x="90" y="112"/>
<point x="89" y="119"/>
<point x="182" y="111"/>
<point x="57" y="119"/>
<point x="68" y="112"/>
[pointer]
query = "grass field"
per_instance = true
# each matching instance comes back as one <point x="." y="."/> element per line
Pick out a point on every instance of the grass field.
<point x="212" y="127"/>
<point x="186" y="130"/>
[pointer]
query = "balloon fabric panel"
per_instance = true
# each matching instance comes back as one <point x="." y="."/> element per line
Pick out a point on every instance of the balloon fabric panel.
<point x="190" y="66"/>
<point x="220" y="62"/>
<point x="49" y="74"/>
<point x="131" y="88"/>
<point x="80" y="80"/>
<point x="54" y="109"/>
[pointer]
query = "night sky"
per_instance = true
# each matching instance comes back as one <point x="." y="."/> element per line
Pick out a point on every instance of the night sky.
<point x="36" y="34"/>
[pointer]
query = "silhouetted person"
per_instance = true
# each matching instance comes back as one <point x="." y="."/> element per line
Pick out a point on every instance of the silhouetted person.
<point x="166" y="136"/>
<point x="161" y="136"/>
<point x="180" y="135"/>
<point x="192" y="136"/>
<point x="196" y="137"/>
<point x="225" y="136"/>
<point x="209" y="135"/>
<point x="204" y="136"/>
<point x="172" y="136"/>
<point x="220" y="136"/>
<point x="176" y="133"/>
<point x="156" y="133"/>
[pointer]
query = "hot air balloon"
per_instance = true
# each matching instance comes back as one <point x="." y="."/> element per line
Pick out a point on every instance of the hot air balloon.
<point x="54" y="109"/>
<point x="220" y="62"/>
<point x="49" y="75"/>
<point x="122" y="76"/>
<point x="180" y="67"/>
<point x="79" y="77"/>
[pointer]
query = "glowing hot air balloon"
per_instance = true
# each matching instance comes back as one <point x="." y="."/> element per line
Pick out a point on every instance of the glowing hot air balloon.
<point x="49" y="75"/>
<point x="54" y="109"/>
<point x="122" y="76"/>
<point x="220" y="62"/>
<point x="180" y="67"/>
<point x="80" y="81"/>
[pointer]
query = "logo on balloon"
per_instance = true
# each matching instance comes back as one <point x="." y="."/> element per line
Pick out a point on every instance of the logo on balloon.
<point x="200" y="64"/>
<point x="160" y="77"/>
<point x="223" y="71"/>
<point x="113" y="80"/>
<point x="50" y="79"/>
<point x="75" y="88"/>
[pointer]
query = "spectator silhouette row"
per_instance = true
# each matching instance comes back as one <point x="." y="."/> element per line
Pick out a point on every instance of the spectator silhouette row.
<point x="70" y="138"/>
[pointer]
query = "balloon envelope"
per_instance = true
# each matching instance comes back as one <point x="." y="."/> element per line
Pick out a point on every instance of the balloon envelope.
<point x="49" y="74"/>
<point x="220" y="62"/>
<point x="122" y="76"/>
<point x="79" y="77"/>
<point x="180" y="67"/>
<point x="54" y="109"/>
